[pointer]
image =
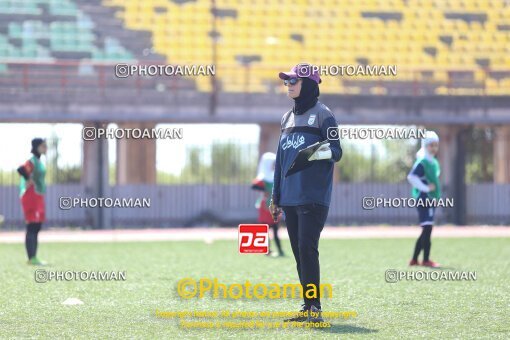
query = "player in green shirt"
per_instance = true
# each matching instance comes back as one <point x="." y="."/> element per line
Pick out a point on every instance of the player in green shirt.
<point x="32" y="190"/>
<point x="264" y="183"/>
<point x="424" y="177"/>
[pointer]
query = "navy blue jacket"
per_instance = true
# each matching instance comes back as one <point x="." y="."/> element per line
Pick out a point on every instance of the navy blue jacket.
<point x="313" y="184"/>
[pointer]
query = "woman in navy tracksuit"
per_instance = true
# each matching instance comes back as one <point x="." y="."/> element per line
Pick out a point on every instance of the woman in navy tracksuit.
<point x="305" y="196"/>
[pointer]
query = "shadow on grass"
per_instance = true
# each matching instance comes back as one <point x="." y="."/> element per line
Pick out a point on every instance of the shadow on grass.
<point x="434" y="268"/>
<point x="346" y="329"/>
<point x="443" y="268"/>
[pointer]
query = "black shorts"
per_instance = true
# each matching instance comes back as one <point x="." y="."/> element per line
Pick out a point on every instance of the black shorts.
<point x="426" y="215"/>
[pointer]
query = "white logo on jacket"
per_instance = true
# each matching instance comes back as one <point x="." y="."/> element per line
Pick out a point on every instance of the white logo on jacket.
<point x="311" y="119"/>
<point x="295" y="142"/>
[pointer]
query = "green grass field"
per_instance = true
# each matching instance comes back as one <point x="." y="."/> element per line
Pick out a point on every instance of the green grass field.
<point x="355" y="268"/>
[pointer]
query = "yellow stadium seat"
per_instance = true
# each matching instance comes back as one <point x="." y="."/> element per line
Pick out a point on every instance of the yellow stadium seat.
<point x="329" y="32"/>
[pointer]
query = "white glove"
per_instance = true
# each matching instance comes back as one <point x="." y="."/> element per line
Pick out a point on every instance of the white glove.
<point x="324" y="152"/>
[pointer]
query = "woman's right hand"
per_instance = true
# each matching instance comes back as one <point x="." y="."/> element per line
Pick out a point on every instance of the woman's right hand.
<point x="432" y="187"/>
<point x="275" y="210"/>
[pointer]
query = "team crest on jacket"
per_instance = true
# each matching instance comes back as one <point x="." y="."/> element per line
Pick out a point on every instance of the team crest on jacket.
<point x="311" y="119"/>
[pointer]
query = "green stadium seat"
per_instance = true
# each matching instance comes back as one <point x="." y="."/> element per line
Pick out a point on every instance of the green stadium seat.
<point x="74" y="33"/>
<point x="62" y="7"/>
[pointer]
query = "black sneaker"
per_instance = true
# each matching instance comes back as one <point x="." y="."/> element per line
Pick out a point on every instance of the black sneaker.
<point x="301" y="316"/>
<point x="315" y="315"/>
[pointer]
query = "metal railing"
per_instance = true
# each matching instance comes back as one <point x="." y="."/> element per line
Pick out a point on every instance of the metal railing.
<point x="61" y="77"/>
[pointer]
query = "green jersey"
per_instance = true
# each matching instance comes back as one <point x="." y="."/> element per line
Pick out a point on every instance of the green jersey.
<point x="36" y="171"/>
<point x="268" y="189"/>
<point x="432" y="170"/>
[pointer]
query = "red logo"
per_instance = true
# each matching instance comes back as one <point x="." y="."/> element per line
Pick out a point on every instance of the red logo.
<point x="253" y="238"/>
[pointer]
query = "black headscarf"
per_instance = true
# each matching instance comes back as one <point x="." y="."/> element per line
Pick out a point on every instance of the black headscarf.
<point x="35" y="144"/>
<point x="308" y="96"/>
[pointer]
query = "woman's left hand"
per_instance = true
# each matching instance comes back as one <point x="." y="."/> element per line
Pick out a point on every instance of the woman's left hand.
<point x="324" y="152"/>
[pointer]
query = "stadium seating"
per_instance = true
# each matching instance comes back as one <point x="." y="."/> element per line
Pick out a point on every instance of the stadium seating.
<point x="438" y="37"/>
<point x="52" y="29"/>
<point x="444" y="46"/>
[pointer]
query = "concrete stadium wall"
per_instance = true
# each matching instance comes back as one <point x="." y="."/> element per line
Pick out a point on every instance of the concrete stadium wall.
<point x="214" y="204"/>
<point x="193" y="107"/>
